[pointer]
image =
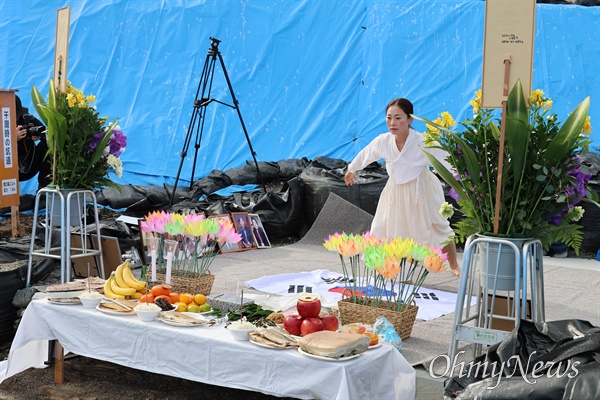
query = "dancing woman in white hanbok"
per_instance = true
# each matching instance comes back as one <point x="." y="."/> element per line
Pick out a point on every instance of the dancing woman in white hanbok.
<point x="410" y="201"/>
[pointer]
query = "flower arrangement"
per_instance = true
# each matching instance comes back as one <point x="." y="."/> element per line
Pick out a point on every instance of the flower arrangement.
<point x="543" y="179"/>
<point x="392" y="272"/>
<point x="84" y="146"/>
<point x="196" y="239"/>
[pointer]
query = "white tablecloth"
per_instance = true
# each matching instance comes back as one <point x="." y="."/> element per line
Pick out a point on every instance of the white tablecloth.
<point x="218" y="359"/>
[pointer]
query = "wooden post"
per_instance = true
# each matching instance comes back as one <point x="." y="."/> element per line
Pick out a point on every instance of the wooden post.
<point x="61" y="48"/>
<point x="501" y="145"/>
<point x="59" y="363"/>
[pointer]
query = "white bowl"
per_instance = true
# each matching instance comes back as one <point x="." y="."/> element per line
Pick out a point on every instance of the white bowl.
<point x="147" y="315"/>
<point x="240" y="334"/>
<point x="90" y="302"/>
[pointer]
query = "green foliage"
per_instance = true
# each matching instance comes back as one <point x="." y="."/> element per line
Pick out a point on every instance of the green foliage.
<point x="540" y="169"/>
<point x="74" y="133"/>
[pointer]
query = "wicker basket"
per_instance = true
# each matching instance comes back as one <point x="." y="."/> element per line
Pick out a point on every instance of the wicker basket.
<point x="201" y="285"/>
<point x="403" y="321"/>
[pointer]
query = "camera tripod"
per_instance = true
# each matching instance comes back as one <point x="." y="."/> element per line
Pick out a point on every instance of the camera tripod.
<point x="202" y="100"/>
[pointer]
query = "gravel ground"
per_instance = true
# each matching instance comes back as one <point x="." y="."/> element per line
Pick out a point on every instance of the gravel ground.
<point x="90" y="379"/>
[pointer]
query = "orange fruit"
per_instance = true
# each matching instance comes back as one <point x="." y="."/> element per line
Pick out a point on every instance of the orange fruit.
<point x="199" y="299"/>
<point x="181" y="306"/>
<point x="150" y="298"/>
<point x="174" y="297"/>
<point x="186" y="298"/>
<point x="160" y="290"/>
<point x="163" y="296"/>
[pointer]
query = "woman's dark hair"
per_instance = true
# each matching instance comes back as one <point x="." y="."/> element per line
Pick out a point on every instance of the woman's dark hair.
<point x="404" y="104"/>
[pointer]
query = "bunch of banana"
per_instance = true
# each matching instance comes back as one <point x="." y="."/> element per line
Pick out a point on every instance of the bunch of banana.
<point x="122" y="284"/>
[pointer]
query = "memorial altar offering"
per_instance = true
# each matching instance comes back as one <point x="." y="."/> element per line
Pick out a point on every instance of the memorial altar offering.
<point x="183" y="246"/>
<point x="382" y="277"/>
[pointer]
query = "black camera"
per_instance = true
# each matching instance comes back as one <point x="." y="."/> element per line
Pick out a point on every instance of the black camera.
<point x="29" y="122"/>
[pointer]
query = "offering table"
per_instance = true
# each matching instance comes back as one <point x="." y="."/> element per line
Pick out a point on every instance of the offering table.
<point x="380" y="373"/>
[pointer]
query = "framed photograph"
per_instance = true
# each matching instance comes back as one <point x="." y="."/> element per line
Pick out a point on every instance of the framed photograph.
<point x="258" y="231"/>
<point x="225" y="247"/>
<point x="241" y="220"/>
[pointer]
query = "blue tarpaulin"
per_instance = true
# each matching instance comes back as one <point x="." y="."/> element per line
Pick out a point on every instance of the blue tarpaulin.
<point x="312" y="77"/>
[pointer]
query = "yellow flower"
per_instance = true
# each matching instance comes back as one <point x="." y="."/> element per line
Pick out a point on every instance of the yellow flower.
<point x="90" y="98"/>
<point x="447" y="120"/>
<point x="71" y="99"/>
<point x="398" y="248"/>
<point x="432" y="130"/>
<point x="536" y="97"/>
<point x="587" y="126"/>
<point x="476" y="102"/>
<point x="428" y="138"/>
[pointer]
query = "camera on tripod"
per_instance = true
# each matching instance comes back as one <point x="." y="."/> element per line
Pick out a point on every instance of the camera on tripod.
<point x="33" y="129"/>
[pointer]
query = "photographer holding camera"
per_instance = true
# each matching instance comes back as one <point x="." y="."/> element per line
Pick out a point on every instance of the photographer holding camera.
<point x="31" y="147"/>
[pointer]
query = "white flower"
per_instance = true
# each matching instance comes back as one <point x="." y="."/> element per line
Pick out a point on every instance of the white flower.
<point x="116" y="164"/>
<point x="574" y="214"/>
<point x="446" y="210"/>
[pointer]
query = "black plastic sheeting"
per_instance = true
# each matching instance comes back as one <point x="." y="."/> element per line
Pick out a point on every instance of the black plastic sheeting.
<point x="325" y="175"/>
<point x="10" y="282"/>
<point x="285" y="213"/>
<point x="553" y="360"/>
<point x="292" y="210"/>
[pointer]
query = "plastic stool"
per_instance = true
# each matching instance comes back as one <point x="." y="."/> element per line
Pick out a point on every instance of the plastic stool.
<point x="477" y="327"/>
<point x="75" y="198"/>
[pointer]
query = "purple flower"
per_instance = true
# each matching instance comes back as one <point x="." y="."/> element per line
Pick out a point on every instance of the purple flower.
<point x="453" y="194"/>
<point x="117" y="142"/>
<point x="94" y="143"/>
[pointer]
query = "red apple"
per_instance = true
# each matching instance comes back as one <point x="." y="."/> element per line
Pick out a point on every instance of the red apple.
<point x="309" y="306"/>
<point x="310" y="325"/>
<point x="330" y="322"/>
<point x="292" y="324"/>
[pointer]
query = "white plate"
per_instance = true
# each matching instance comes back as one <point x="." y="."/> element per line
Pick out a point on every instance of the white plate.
<point x="193" y="315"/>
<point x="204" y="312"/>
<point x="269" y="347"/>
<point x="327" y="358"/>
<point x="65" y="301"/>
<point x="375" y="345"/>
<point x="107" y="311"/>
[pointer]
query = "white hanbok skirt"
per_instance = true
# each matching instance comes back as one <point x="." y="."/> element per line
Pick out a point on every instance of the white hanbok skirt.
<point x="411" y="210"/>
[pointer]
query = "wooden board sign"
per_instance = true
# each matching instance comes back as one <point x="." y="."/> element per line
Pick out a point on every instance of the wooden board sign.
<point x="509" y="33"/>
<point x="9" y="160"/>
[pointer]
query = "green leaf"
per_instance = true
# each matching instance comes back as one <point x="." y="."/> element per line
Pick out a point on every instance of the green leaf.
<point x="568" y="134"/>
<point x="441" y="128"/>
<point x="518" y="131"/>
<point x="38" y="102"/>
<point x="471" y="161"/>
<point x="446" y="175"/>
